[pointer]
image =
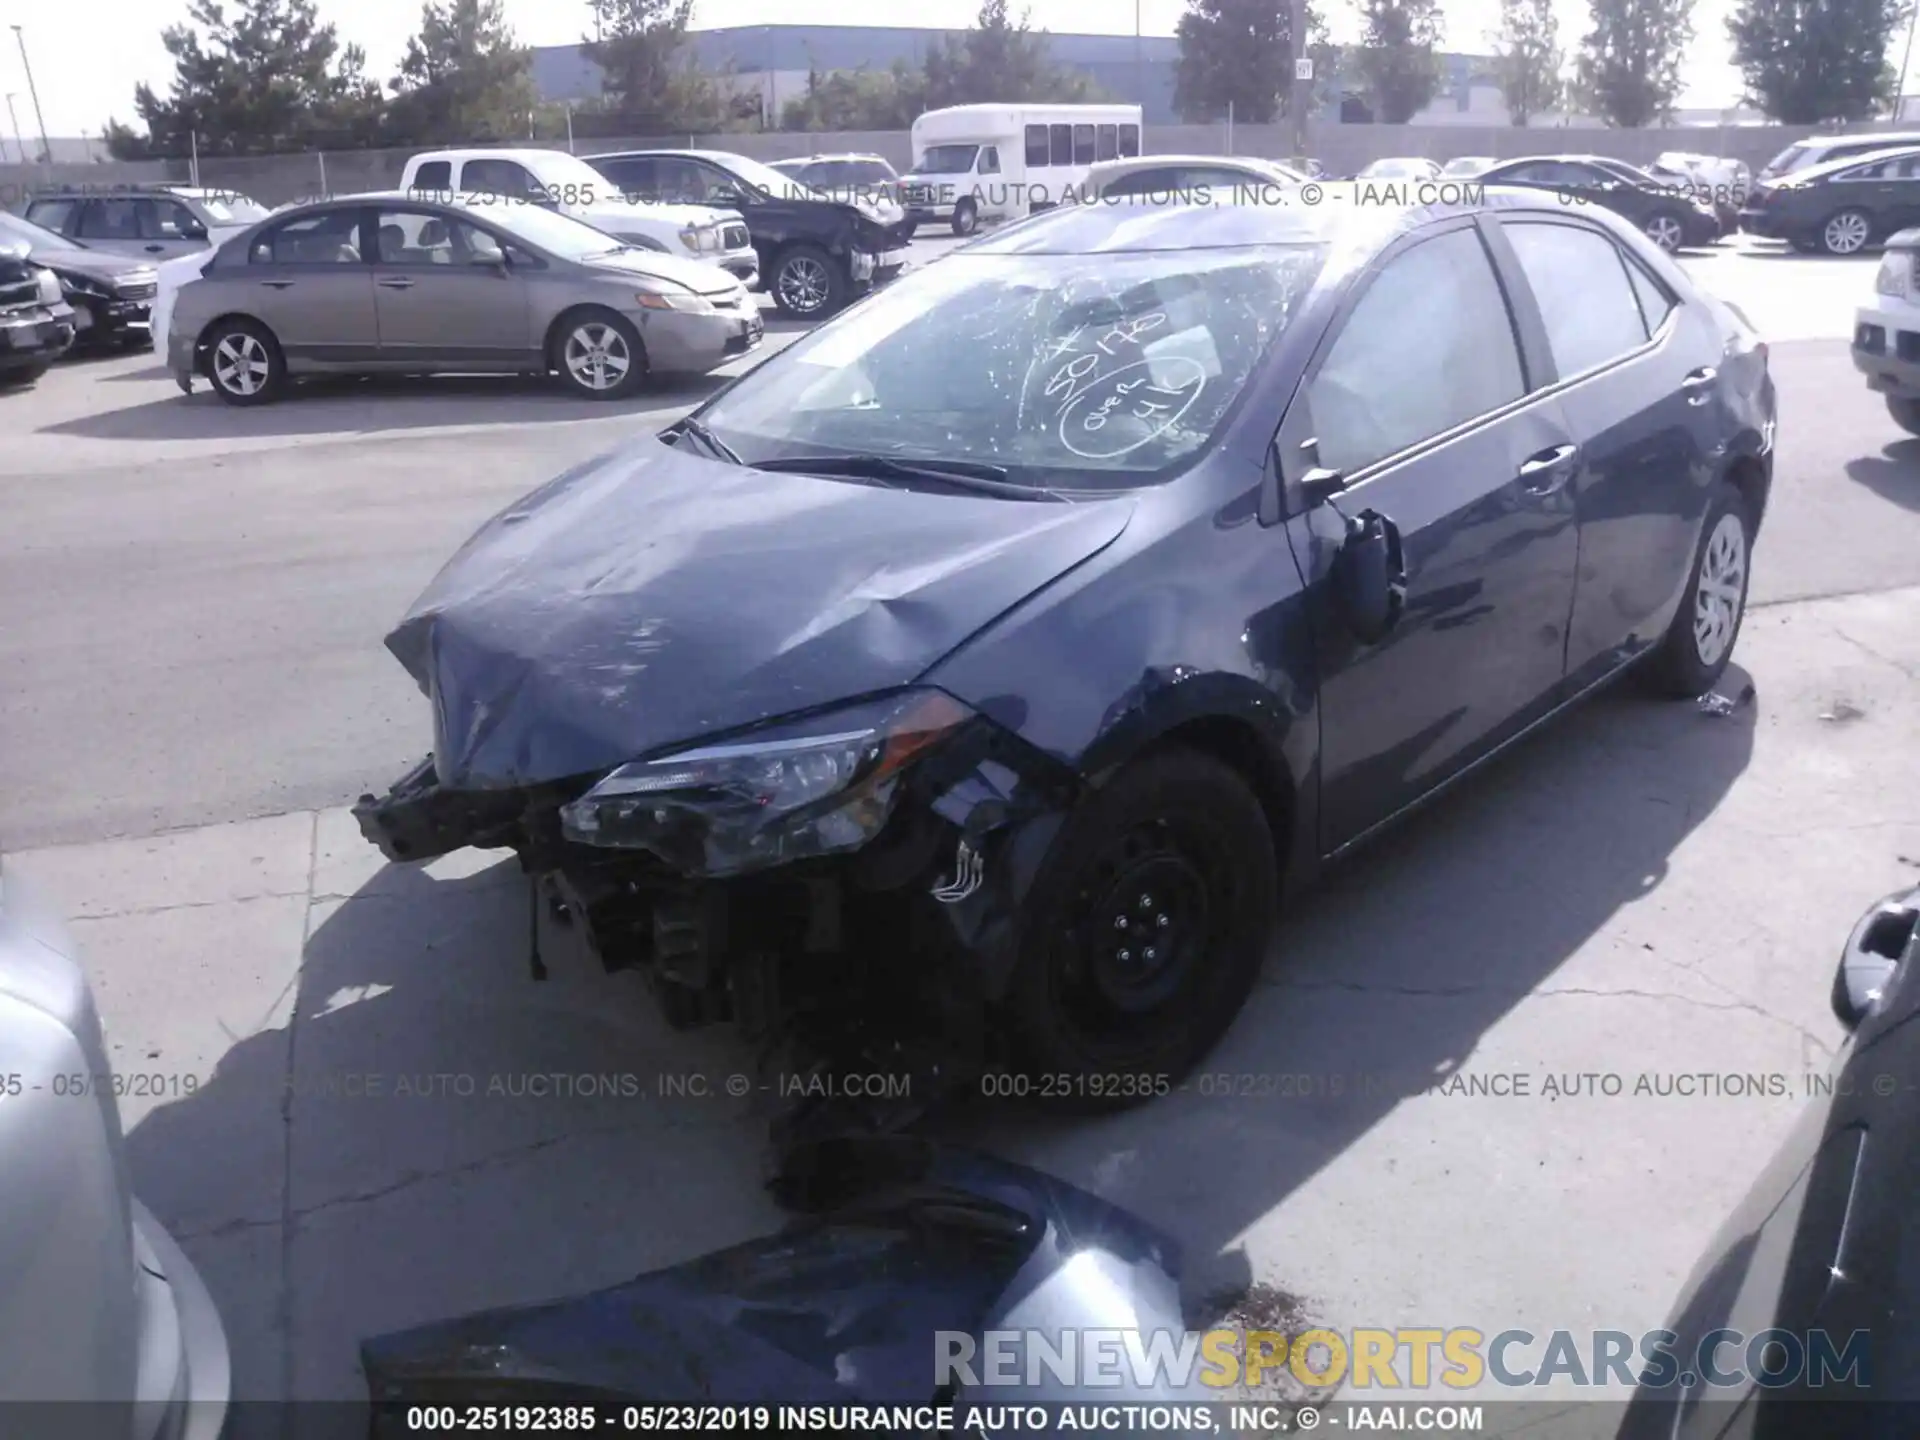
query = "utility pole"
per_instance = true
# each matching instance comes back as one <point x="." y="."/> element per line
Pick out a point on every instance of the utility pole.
<point x="1906" y="59"/>
<point x="46" y="145"/>
<point x="19" y="135"/>
<point x="1139" y="70"/>
<point x="1302" y="92"/>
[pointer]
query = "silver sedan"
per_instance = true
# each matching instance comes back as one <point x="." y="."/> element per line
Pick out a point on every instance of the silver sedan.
<point x="399" y="285"/>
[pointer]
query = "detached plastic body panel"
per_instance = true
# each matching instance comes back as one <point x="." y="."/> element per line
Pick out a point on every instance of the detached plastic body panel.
<point x="900" y="1240"/>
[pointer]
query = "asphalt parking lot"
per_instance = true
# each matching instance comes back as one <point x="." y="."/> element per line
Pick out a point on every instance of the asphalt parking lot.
<point x="342" y="1129"/>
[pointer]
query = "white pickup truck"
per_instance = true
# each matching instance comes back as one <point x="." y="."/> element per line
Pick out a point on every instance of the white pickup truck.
<point x="558" y="181"/>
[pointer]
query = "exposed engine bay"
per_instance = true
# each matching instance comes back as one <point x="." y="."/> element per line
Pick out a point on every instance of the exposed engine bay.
<point x="843" y="893"/>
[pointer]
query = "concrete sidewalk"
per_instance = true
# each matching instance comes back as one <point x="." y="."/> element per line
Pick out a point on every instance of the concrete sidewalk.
<point x="357" y="1111"/>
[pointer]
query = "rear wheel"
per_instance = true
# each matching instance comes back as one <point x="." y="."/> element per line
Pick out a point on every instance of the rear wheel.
<point x="1144" y="932"/>
<point x="244" y="362"/>
<point x="598" y="354"/>
<point x="1905" y="410"/>
<point x="1699" y="643"/>
<point x="1666" y="229"/>
<point x="1846" y="233"/>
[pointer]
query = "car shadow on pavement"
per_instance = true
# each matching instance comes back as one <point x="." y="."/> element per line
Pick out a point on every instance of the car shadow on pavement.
<point x="330" y="405"/>
<point x="429" y="1130"/>
<point x="1893" y="474"/>
<point x="1387" y="979"/>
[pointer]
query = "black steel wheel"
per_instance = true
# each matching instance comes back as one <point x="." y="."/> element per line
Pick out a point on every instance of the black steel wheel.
<point x="1144" y="932"/>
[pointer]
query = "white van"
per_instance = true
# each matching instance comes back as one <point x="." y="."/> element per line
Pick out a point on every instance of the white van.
<point x="993" y="162"/>
<point x="559" y="181"/>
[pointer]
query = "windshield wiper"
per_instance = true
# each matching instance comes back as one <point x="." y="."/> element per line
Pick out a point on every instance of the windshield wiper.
<point x="968" y="475"/>
<point x="713" y="443"/>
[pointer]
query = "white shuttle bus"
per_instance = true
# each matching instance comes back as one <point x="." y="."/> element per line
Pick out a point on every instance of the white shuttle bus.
<point x="974" y="163"/>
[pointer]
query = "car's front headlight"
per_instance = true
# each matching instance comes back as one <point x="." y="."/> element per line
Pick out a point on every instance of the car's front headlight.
<point x="1896" y="270"/>
<point x="700" y="239"/>
<point x="52" y="288"/>
<point x="682" y="300"/>
<point x="817" y="786"/>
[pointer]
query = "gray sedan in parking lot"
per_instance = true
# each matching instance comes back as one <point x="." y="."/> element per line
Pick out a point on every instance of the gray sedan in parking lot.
<point x="399" y="285"/>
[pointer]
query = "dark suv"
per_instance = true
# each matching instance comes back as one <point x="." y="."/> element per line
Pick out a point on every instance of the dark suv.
<point x="817" y="251"/>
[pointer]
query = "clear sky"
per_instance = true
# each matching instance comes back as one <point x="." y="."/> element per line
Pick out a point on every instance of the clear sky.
<point x="87" y="55"/>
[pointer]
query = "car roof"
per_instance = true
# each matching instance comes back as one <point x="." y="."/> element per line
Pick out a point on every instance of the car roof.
<point x="685" y="154"/>
<point x="1891" y="140"/>
<point x="1124" y="161"/>
<point x="1146" y="224"/>
<point x="1848" y="162"/>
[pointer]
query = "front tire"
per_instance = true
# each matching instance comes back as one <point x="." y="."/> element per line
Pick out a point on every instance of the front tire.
<point x="244" y="363"/>
<point x="1846" y="233"/>
<point x="1699" y="643"/>
<point x="1144" y="932"/>
<point x="1905" y="410"/>
<point x="598" y="355"/>
<point x="808" y="284"/>
<point x="966" y="218"/>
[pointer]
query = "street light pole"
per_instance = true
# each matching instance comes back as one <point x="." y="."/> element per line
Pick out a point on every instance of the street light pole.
<point x="18" y="135"/>
<point x="1301" y="94"/>
<point x="46" y="145"/>
<point x="1139" y="73"/>
<point x="1906" y="58"/>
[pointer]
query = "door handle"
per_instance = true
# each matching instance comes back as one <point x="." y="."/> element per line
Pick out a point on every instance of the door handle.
<point x="1548" y="472"/>
<point x="277" y="284"/>
<point x="1697" y="387"/>
<point x="395" y="282"/>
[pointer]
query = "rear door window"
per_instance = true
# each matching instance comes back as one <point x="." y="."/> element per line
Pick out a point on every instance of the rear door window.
<point x="1586" y="297"/>
<point x="57" y="215"/>
<point x="110" y="220"/>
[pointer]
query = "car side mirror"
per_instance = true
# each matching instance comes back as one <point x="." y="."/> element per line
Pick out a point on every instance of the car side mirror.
<point x="1319" y="485"/>
<point x="498" y="263"/>
<point x="1872" y="957"/>
<point x="1369" y="579"/>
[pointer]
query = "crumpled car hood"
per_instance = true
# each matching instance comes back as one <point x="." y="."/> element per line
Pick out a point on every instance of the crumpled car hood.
<point x="653" y="597"/>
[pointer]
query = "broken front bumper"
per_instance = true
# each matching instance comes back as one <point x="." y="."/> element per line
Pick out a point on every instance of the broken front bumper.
<point x="419" y="819"/>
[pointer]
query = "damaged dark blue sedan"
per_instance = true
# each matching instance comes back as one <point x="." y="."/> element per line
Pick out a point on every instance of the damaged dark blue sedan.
<point x="973" y="678"/>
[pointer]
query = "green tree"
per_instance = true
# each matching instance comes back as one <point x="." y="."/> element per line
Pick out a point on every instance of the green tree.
<point x="270" y="78"/>
<point x="1239" y="53"/>
<point x="1808" y="63"/>
<point x="1630" y="59"/>
<point x="647" y="74"/>
<point x="1528" y="58"/>
<point x="1396" y="60"/>
<point x="464" y="77"/>
<point x="860" y="99"/>
<point x="1001" y="59"/>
